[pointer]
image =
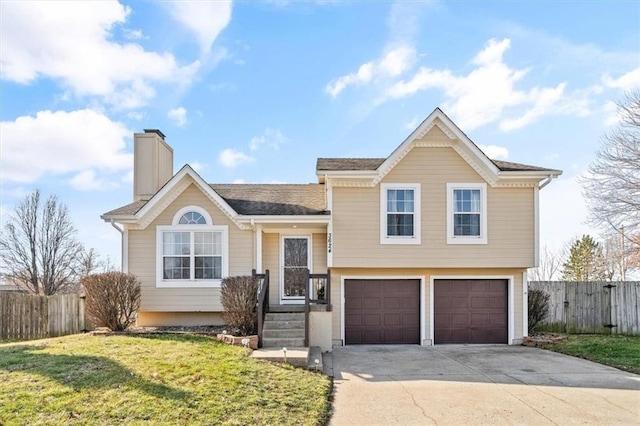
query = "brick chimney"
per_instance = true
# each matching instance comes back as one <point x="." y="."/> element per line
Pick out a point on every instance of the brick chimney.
<point x="152" y="163"/>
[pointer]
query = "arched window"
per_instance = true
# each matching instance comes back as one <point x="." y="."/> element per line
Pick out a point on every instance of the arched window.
<point x="192" y="215"/>
<point x="192" y="218"/>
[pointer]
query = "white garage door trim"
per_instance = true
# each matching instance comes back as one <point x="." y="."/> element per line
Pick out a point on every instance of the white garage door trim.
<point x="510" y="280"/>
<point x="422" y="279"/>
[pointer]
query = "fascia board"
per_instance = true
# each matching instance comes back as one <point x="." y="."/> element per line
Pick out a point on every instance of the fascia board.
<point x="285" y="219"/>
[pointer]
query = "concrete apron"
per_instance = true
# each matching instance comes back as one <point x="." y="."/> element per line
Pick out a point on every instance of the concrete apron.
<point x="477" y="384"/>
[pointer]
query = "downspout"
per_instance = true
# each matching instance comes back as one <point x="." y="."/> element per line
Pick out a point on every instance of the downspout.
<point x="547" y="181"/>
<point x="122" y="245"/>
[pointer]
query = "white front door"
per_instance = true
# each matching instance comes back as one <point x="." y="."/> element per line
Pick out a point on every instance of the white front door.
<point x="295" y="259"/>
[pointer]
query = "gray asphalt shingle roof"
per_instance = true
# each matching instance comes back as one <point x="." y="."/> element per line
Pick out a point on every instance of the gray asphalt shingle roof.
<point x="342" y="164"/>
<point x="348" y="163"/>
<point x="259" y="199"/>
<point x="273" y="199"/>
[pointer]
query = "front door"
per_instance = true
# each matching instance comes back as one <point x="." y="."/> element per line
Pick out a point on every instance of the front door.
<point x="295" y="259"/>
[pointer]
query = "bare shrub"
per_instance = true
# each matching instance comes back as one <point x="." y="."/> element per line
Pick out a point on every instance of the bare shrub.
<point x="239" y="299"/>
<point x="112" y="299"/>
<point x="538" y="302"/>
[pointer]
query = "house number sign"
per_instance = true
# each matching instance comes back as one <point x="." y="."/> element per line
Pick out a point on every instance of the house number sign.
<point x="329" y="242"/>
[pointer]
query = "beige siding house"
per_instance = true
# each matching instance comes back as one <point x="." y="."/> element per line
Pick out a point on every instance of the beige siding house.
<point x="430" y="245"/>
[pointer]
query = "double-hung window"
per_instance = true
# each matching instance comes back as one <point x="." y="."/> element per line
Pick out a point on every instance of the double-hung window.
<point x="400" y="214"/>
<point x="466" y="213"/>
<point x="192" y="252"/>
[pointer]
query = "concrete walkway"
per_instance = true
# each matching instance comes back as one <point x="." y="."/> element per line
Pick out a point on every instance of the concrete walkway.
<point x="470" y="385"/>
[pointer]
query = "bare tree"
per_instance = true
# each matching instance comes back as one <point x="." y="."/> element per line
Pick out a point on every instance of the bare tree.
<point x="622" y="256"/>
<point x="549" y="265"/>
<point x="612" y="187"/>
<point x="90" y="262"/>
<point x="38" y="246"/>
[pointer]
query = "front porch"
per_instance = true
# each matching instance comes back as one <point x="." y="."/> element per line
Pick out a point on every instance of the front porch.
<point x="298" y="325"/>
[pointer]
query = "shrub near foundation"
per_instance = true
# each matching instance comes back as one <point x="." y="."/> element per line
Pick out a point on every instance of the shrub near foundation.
<point x="239" y="299"/>
<point x="538" y="302"/>
<point x="112" y="299"/>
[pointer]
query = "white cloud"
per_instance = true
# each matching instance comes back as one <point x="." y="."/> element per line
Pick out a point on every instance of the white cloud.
<point x="136" y="115"/>
<point x="240" y="180"/>
<point x="62" y="142"/>
<point x="270" y="137"/>
<point x="495" y="152"/>
<point x="71" y="43"/>
<point x="393" y="63"/>
<point x="231" y="158"/>
<point x="412" y="124"/>
<point x="198" y="166"/>
<point x="544" y="101"/>
<point x="133" y="34"/>
<point x="178" y="115"/>
<point x="489" y="91"/>
<point x="206" y="19"/>
<point x="627" y="82"/>
<point x="87" y="180"/>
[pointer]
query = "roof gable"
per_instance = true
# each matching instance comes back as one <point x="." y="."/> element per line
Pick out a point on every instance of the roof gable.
<point x="377" y="168"/>
<point x="143" y="213"/>
<point x="236" y="201"/>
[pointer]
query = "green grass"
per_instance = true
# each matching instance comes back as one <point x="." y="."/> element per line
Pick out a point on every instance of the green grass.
<point x="617" y="351"/>
<point x="158" y="379"/>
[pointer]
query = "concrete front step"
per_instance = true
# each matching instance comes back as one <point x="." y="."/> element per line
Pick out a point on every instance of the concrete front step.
<point x="286" y="308"/>
<point x="287" y="316"/>
<point x="281" y="325"/>
<point x="286" y="332"/>
<point x="298" y="356"/>
<point x="282" y="342"/>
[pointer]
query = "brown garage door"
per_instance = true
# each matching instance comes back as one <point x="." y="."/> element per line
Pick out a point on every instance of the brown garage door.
<point x="382" y="312"/>
<point x="470" y="311"/>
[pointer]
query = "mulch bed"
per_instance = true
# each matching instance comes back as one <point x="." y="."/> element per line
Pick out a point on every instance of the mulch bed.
<point x="205" y="330"/>
<point x="542" y="339"/>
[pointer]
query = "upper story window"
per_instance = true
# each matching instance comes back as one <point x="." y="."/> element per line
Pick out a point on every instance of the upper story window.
<point x="466" y="213"/>
<point x="192" y="252"/>
<point x="400" y="213"/>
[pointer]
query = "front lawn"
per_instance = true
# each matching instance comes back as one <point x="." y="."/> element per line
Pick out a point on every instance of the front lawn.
<point x="155" y="379"/>
<point x="618" y="351"/>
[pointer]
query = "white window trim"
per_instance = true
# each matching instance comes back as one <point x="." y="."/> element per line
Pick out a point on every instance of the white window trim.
<point x="467" y="239"/>
<point x="176" y="227"/>
<point x="184" y="210"/>
<point x="416" y="238"/>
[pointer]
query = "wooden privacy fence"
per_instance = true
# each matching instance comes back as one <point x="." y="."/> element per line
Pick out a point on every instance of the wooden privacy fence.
<point x="28" y="316"/>
<point x="592" y="307"/>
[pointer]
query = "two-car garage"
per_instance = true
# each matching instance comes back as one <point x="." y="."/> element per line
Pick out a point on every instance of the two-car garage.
<point x="388" y="311"/>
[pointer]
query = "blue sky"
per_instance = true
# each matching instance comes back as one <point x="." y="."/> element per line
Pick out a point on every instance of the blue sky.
<point x="256" y="91"/>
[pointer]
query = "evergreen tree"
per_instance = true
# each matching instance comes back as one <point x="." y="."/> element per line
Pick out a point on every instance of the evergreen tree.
<point x="586" y="261"/>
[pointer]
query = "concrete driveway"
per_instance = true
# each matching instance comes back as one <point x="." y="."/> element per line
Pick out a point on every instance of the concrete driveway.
<point x="469" y="385"/>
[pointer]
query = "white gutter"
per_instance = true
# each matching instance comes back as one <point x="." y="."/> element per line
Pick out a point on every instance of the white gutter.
<point x="547" y="181"/>
<point x="285" y="219"/>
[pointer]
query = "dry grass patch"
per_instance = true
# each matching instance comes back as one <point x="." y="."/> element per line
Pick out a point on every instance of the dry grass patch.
<point x="170" y="379"/>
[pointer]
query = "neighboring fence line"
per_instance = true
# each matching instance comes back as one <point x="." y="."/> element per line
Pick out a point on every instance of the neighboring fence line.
<point x="27" y="316"/>
<point x="592" y="307"/>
